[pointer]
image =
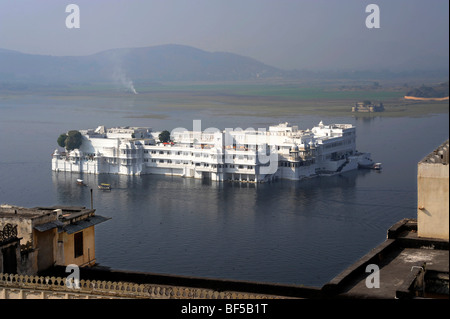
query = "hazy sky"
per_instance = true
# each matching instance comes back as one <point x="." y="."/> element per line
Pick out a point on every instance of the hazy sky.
<point x="283" y="33"/>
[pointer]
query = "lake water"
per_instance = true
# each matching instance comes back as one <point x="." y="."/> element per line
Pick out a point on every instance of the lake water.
<point x="303" y="232"/>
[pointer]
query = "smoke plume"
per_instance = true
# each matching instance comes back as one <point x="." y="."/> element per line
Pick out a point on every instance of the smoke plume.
<point x="121" y="78"/>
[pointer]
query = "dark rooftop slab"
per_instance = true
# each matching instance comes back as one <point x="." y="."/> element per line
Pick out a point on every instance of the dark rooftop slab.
<point x="409" y="267"/>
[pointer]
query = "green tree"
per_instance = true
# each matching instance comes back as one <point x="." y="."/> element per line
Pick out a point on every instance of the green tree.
<point x="70" y="141"/>
<point x="164" y="136"/>
<point x="62" y="140"/>
<point x="73" y="140"/>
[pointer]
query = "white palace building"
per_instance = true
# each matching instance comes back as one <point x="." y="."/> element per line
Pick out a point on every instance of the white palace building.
<point x="282" y="151"/>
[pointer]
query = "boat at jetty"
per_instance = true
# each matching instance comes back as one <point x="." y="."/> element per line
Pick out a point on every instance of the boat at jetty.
<point x="365" y="161"/>
<point x="281" y="152"/>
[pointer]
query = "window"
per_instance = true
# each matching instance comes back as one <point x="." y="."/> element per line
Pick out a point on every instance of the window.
<point x="78" y="244"/>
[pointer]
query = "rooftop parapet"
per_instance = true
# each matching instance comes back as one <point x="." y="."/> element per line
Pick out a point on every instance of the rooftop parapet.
<point x="128" y="132"/>
<point x="438" y="156"/>
<point x="22" y="212"/>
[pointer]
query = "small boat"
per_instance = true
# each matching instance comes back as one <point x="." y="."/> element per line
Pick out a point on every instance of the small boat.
<point x="105" y="187"/>
<point x="377" y="166"/>
<point x="80" y="181"/>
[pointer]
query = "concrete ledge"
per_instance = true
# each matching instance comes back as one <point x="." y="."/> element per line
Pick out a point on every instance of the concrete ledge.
<point x="401" y="227"/>
<point x="375" y="256"/>
<point x="423" y="242"/>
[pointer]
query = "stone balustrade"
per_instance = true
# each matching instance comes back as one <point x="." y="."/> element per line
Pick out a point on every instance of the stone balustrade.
<point x="13" y="286"/>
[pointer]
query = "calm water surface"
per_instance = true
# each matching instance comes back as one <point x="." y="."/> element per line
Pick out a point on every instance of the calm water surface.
<point x="287" y="232"/>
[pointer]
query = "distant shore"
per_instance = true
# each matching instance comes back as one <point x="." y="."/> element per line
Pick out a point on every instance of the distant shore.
<point x="247" y="99"/>
<point x="406" y="97"/>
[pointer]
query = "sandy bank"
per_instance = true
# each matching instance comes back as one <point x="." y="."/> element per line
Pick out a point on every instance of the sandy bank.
<point x="406" y="97"/>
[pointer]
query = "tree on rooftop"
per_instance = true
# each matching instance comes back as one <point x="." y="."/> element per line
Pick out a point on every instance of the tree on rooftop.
<point x="164" y="136"/>
<point x="62" y="140"/>
<point x="70" y="141"/>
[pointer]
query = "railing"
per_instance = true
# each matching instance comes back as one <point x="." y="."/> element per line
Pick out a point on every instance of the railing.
<point x="94" y="288"/>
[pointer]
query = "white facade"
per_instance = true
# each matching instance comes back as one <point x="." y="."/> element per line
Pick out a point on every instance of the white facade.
<point x="282" y="151"/>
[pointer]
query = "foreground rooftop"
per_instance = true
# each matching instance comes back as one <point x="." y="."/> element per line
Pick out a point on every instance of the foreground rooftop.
<point x="409" y="268"/>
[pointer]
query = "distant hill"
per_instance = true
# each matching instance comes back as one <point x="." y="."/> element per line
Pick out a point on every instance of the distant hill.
<point x="164" y="63"/>
<point x="159" y="63"/>
<point x="439" y="91"/>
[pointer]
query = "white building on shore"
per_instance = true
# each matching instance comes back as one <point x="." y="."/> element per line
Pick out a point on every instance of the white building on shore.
<point x="282" y="151"/>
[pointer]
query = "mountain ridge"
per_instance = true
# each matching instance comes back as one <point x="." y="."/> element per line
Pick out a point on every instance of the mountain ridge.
<point x="169" y="62"/>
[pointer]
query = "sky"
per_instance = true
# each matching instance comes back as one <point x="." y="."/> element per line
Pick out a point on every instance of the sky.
<point x="289" y="34"/>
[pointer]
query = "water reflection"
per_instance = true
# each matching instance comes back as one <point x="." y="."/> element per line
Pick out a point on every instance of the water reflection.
<point x="228" y="196"/>
<point x="189" y="226"/>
